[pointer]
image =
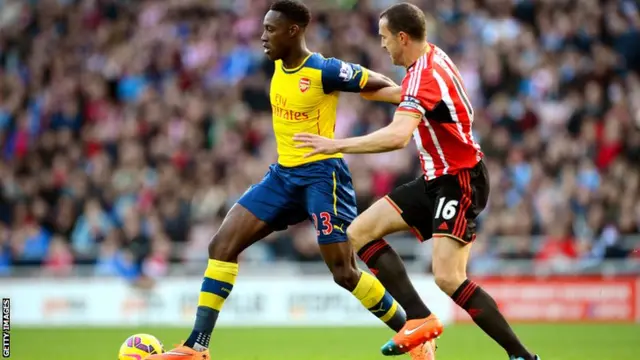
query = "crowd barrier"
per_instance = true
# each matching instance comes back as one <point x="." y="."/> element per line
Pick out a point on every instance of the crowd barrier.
<point x="305" y="301"/>
<point x="255" y="301"/>
<point x="564" y="299"/>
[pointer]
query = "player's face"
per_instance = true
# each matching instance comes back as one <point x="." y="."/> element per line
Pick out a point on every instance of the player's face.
<point x="390" y="42"/>
<point x="278" y="35"/>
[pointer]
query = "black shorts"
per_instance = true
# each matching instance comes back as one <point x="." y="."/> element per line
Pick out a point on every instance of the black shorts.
<point x="447" y="205"/>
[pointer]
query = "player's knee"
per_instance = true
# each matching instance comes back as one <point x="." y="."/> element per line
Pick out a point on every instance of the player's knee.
<point x="358" y="236"/>
<point x="346" y="276"/>
<point x="221" y="247"/>
<point x="449" y="263"/>
<point x="444" y="282"/>
<point x="448" y="275"/>
<point x="448" y="282"/>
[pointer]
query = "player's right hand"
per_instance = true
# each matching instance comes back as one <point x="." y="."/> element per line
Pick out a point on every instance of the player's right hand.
<point x="318" y="144"/>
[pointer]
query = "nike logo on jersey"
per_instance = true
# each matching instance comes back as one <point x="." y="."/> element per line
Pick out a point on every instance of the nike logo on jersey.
<point x="339" y="228"/>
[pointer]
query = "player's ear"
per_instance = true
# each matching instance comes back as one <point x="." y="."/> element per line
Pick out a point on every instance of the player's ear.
<point x="403" y="37"/>
<point x="294" y="30"/>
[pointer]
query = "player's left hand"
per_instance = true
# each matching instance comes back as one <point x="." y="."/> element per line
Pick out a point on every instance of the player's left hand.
<point x="319" y="144"/>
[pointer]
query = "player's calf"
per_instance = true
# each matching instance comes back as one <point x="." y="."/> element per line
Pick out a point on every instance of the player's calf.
<point x="239" y="230"/>
<point x="345" y="275"/>
<point x="375" y="298"/>
<point x="366" y="288"/>
<point x="450" y="256"/>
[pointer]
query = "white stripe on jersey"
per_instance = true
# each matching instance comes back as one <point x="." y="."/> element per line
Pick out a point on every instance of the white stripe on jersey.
<point x="428" y="167"/>
<point x="446" y="98"/>
<point x="436" y="143"/>
<point x="416" y="77"/>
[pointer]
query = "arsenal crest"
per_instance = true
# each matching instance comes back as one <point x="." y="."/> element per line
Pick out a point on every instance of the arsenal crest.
<point x="304" y="84"/>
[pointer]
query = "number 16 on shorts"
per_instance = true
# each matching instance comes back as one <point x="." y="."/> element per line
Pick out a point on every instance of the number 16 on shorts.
<point x="446" y="209"/>
<point x="444" y="219"/>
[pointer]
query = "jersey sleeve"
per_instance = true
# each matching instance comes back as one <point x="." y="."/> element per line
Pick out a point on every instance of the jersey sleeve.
<point x="338" y="75"/>
<point x="420" y="93"/>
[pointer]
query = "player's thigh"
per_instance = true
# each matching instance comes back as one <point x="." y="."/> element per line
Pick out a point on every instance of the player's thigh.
<point x="414" y="205"/>
<point x="274" y="200"/>
<point x="331" y="205"/>
<point x="239" y="229"/>
<point x="380" y="219"/>
<point x="331" y="201"/>
<point x="457" y="201"/>
<point x="265" y="207"/>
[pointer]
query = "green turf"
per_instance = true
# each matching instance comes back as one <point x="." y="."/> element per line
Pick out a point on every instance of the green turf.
<point x="460" y="342"/>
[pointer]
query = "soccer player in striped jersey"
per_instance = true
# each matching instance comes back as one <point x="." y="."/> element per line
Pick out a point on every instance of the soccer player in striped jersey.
<point x="444" y="202"/>
<point x="305" y="89"/>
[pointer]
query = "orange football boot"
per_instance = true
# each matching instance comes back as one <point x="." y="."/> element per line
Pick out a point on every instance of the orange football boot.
<point x="426" y="351"/>
<point x="181" y="353"/>
<point x="414" y="333"/>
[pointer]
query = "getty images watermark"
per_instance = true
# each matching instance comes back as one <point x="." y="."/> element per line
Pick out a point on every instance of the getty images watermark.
<point x="6" y="328"/>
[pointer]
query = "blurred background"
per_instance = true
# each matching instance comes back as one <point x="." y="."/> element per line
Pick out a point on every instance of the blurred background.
<point x="129" y="128"/>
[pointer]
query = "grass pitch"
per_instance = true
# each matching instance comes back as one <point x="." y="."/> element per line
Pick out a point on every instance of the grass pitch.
<point x="459" y="342"/>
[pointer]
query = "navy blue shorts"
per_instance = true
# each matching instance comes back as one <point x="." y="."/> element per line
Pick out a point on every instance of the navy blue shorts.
<point x="321" y="191"/>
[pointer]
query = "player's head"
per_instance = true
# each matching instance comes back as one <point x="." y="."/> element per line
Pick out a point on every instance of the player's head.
<point x="284" y="26"/>
<point x="401" y="26"/>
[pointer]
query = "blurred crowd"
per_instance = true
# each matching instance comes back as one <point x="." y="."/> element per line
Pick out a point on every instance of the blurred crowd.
<point x="129" y="128"/>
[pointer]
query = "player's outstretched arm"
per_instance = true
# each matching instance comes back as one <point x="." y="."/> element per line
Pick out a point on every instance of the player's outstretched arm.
<point x="391" y="137"/>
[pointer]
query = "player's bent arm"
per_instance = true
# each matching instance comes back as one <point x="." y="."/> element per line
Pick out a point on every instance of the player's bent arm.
<point x="376" y="81"/>
<point x="391" y="137"/>
<point x="391" y="95"/>
<point x="379" y="87"/>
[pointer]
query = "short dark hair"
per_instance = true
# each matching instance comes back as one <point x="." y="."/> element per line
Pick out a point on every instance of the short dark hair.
<point x="407" y="18"/>
<point x="294" y="11"/>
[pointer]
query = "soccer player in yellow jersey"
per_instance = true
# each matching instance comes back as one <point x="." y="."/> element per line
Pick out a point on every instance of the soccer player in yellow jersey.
<point x="304" y="95"/>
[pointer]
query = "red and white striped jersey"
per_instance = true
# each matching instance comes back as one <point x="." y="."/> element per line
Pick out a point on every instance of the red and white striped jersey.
<point x="433" y="87"/>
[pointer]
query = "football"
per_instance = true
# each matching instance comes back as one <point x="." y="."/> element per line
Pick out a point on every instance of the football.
<point x="139" y="347"/>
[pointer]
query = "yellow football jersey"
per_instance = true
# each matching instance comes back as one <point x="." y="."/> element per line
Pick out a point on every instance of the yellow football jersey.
<point x="305" y="99"/>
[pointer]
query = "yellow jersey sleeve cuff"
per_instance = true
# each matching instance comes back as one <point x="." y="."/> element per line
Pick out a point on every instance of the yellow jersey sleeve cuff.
<point x="364" y="78"/>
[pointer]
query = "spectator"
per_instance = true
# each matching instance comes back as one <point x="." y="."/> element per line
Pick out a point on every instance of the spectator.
<point x="59" y="260"/>
<point x="128" y="129"/>
<point x="91" y="227"/>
